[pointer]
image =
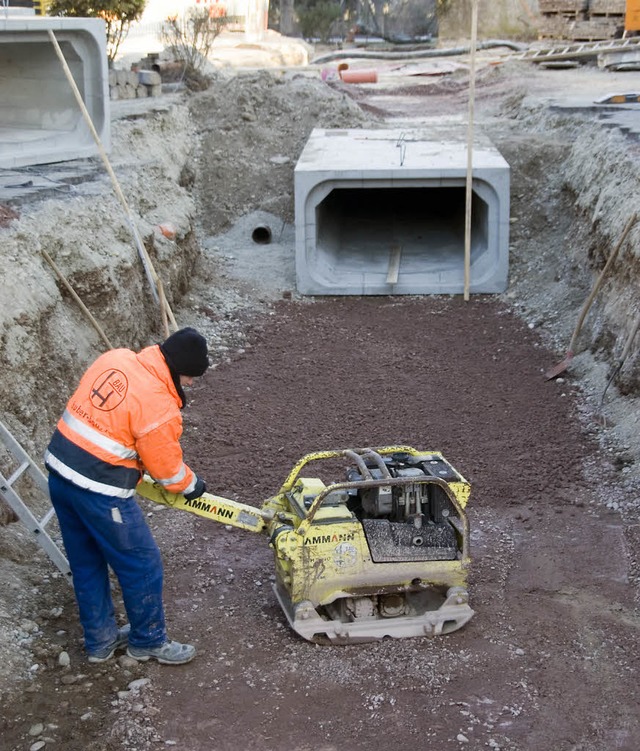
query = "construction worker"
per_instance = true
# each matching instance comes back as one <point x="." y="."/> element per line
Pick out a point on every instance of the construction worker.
<point x="123" y="419"/>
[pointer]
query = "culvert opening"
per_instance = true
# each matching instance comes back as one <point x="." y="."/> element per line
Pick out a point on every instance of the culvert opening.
<point x="364" y="229"/>
<point x="28" y="104"/>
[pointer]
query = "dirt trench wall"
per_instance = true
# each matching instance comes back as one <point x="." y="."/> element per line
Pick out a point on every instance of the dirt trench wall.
<point x="45" y="339"/>
<point x="603" y="173"/>
<point x="601" y="178"/>
<point x="575" y="183"/>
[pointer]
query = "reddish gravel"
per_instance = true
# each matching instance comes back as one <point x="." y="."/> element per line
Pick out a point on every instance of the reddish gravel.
<point x="549" y="582"/>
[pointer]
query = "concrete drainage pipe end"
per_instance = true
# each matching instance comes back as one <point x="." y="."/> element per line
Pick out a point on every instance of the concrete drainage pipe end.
<point x="261" y="235"/>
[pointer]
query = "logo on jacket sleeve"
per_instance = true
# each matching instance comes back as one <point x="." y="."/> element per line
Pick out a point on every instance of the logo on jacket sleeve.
<point x="108" y="390"/>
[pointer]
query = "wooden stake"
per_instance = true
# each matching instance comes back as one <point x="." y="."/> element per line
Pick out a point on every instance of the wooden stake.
<point x="469" y="185"/>
<point x="76" y="297"/>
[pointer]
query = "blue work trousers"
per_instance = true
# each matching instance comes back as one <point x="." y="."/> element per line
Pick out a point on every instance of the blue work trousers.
<point x="99" y="531"/>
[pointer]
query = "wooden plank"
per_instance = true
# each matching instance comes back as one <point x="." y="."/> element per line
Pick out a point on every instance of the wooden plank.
<point x="394" y="264"/>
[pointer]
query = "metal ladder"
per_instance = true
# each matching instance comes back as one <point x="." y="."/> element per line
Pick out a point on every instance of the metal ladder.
<point x="576" y="50"/>
<point x="10" y="495"/>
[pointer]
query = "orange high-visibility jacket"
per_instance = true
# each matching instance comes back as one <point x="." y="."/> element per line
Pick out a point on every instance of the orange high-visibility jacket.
<point x="124" y="418"/>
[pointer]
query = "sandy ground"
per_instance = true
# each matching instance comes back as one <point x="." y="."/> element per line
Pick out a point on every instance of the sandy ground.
<point x="550" y="658"/>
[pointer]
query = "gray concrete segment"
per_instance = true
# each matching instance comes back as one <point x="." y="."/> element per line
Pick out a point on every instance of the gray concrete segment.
<point x="383" y="212"/>
<point x="40" y="120"/>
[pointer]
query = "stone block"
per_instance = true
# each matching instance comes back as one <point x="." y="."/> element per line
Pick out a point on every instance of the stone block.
<point x="149" y="77"/>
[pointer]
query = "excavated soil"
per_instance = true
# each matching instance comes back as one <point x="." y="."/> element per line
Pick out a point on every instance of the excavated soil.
<point x="550" y="659"/>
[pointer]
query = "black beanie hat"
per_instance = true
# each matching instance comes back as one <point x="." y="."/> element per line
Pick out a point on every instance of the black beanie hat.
<point x="186" y="352"/>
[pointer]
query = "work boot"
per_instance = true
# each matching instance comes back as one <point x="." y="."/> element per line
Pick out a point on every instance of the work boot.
<point x="169" y="653"/>
<point x="106" y="653"/>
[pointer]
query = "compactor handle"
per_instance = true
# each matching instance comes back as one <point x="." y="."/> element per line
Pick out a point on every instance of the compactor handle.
<point x="212" y="507"/>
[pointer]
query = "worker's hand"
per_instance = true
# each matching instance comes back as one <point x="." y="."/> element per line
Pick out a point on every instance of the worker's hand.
<point x="199" y="489"/>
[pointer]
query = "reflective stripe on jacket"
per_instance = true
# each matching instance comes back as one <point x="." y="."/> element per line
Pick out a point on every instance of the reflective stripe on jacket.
<point x="124" y="418"/>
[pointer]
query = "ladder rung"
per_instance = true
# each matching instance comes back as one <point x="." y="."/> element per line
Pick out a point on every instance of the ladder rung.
<point x="47" y="517"/>
<point x="17" y="473"/>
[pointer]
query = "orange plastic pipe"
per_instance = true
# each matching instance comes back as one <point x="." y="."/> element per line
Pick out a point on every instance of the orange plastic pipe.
<point x="357" y="76"/>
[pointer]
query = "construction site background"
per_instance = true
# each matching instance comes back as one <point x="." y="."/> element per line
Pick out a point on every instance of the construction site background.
<point x="415" y="20"/>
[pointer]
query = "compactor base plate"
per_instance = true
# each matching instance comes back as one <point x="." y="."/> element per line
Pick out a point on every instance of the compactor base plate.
<point x="306" y="620"/>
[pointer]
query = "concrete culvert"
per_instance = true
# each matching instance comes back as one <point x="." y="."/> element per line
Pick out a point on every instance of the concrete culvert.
<point x="40" y="121"/>
<point x="384" y="212"/>
<point x="261" y="235"/>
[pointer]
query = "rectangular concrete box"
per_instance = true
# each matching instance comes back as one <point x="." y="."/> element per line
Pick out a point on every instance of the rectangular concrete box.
<point x="40" y="120"/>
<point x="382" y="212"/>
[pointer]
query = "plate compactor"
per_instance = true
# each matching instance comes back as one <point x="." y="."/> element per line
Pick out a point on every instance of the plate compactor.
<point x="384" y="553"/>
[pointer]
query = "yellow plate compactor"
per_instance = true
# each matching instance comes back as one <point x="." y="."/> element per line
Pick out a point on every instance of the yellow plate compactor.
<point x="384" y="553"/>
